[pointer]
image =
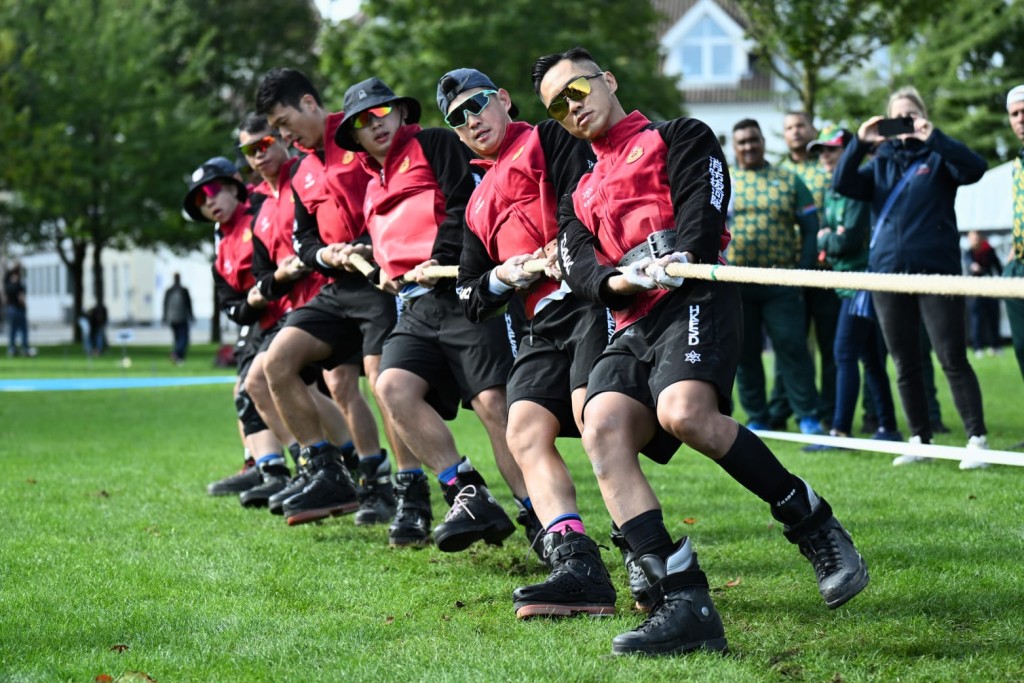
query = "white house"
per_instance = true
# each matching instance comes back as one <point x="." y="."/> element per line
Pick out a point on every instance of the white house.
<point x="704" y="43"/>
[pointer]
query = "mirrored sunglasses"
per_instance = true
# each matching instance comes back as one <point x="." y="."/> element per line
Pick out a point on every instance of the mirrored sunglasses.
<point x="251" y="149"/>
<point x="576" y="91"/>
<point x="362" y="119"/>
<point x="459" y="116"/>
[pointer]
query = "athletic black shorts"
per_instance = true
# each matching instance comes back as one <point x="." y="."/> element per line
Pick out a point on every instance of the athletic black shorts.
<point x="457" y="358"/>
<point x="246" y="348"/>
<point x="555" y="355"/>
<point x="353" y="318"/>
<point x="693" y="333"/>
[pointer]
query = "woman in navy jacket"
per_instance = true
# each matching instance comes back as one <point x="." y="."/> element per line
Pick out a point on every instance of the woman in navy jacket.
<point x="911" y="184"/>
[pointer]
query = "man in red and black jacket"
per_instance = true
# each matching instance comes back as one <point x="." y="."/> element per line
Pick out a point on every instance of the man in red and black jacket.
<point x="512" y="219"/>
<point x="419" y="182"/>
<point x="342" y="329"/>
<point x="216" y="195"/>
<point x="283" y="283"/>
<point x="659" y="195"/>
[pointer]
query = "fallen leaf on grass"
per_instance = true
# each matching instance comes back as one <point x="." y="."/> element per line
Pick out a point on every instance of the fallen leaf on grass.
<point x="972" y="497"/>
<point x="445" y="617"/>
<point x="459" y="604"/>
<point x="152" y="529"/>
<point x="735" y="582"/>
<point x="690" y="520"/>
<point x="102" y="494"/>
<point x="389" y="619"/>
<point x="104" y="678"/>
<point x="120" y="647"/>
<point x="30" y="481"/>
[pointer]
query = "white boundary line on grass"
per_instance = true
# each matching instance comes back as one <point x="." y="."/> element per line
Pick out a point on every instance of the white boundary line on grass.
<point x="901" y="448"/>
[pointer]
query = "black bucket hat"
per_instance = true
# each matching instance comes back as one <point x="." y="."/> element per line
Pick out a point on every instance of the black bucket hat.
<point x="368" y="94"/>
<point x="217" y="168"/>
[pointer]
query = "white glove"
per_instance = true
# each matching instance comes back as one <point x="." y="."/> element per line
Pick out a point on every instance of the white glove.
<point x="658" y="272"/>
<point x="636" y="273"/>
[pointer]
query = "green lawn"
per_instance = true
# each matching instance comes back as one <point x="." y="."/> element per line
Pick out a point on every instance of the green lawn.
<point x="114" y="560"/>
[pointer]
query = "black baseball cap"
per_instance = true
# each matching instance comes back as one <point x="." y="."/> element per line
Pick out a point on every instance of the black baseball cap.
<point x="457" y="81"/>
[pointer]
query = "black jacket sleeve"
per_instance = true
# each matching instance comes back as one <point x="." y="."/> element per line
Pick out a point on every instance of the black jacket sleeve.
<point x="473" y="284"/>
<point x="449" y="159"/>
<point x="263" y="269"/>
<point x="577" y="257"/>
<point x="233" y="303"/>
<point x="698" y="179"/>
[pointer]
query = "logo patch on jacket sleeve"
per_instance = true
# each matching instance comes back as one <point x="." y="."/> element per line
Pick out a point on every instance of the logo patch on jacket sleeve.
<point x="247" y="235"/>
<point x="349" y="156"/>
<point x="635" y="154"/>
<point x="519" y="153"/>
<point x="406" y="162"/>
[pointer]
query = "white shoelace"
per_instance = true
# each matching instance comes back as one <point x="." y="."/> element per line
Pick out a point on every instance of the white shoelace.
<point x="460" y="502"/>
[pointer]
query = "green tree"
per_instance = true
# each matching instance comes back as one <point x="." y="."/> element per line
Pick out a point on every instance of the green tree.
<point x="810" y="44"/>
<point x="108" y="105"/>
<point x="963" y="63"/>
<point x="411" y="44"/>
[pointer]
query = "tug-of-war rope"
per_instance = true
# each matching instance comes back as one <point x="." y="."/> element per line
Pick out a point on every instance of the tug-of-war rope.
<point x="950" y="285"/>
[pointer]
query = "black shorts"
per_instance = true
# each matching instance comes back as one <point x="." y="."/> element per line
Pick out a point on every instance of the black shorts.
<point x="693" y="333"/>
<point x="248" y="345"/>
<point x="555" y="355"/>
<point x="457" y="358"/>
<point x="353" y="318"/>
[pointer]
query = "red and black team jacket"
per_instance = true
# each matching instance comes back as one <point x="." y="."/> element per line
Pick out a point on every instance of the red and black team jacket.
<point x="272" y="243"/>
<point x="514" y="210"/>
<point x="329" y="186"/>
<point x="415" y="204"/>
<point x="649" y="177"/>
<point x="232" y="269"/>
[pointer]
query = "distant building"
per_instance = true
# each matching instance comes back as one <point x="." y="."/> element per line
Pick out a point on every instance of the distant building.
<point x="704" y="43"/>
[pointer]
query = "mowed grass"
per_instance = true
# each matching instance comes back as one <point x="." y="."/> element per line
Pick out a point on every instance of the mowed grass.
<point x="113" y="560"/>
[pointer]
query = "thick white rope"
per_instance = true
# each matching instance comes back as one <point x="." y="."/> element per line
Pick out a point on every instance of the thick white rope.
<point x="1012" y="288"/>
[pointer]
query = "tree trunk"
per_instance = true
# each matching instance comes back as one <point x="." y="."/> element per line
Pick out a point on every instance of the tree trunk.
<point x="76" y="271"/>
<point x="215" y="331"/>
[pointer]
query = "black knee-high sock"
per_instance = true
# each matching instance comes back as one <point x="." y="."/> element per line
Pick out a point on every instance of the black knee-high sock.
<point x="647" y="535"/>
<point x="751" y="463"/>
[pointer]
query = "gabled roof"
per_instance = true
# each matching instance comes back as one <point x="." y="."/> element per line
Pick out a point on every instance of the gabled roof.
<point x="673" y="10"/>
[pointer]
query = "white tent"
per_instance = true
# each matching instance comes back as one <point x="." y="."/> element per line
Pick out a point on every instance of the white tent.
<point x="987" y="204"/>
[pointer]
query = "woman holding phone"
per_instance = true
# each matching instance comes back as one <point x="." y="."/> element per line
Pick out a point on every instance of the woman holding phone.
<point x="911" y="184"/>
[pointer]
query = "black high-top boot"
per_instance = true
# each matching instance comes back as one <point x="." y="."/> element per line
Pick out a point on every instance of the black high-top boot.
<point x="275" y="478"/>
<point x="377" y="502"/>
<point x="411" y="527"/>
<point x="474" y="514"/>
<point x="578" y="583"/>
<point x="638" y="584"/>
<point x="330" y="490"/>
<point x="682" y="617"/>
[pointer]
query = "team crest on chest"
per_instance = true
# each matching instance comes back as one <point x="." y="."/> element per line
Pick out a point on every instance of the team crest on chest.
<point x="349" y="156"/>
<point x="519" y="153"/>
<point x="635" y="154"/>
<point x="247" y="235"/>
<point x="406" y="162"/>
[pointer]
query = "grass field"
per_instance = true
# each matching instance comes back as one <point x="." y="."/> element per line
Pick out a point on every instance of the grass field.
<point x="114" y="560"/>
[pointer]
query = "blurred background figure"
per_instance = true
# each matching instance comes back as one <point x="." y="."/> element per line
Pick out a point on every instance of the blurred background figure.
<point x="178" y="314"/>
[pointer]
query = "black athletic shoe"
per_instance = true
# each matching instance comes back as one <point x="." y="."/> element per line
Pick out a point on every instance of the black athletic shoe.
<point x="683" y="617"/>
<point x="275" y="478"/>
<point x="638" y="584"/>
<point x="377" y="502"/>
<point x="578" y="583"/>
<point x="330" y="490"/>
<point x="243" y="480"/>
<point x="474" y="515"/>
<point x="808" y="522"/>
<point x="528" y="519"/>
<point x="411" y="527"/>
<point x="276" y="502"/>
<point x="350" y="458"/>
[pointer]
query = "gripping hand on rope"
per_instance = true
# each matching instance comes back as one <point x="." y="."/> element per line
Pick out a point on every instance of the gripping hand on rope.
<point x="633" y="278"/>
<point x="514" y="274"/>
<point x="658" y="270"/>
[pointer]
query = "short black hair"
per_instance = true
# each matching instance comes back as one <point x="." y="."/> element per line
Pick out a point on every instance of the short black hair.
<point x="253" y="123"/>
<point x="543" y="64"/>
<point x="747" y="123"/>
<point x="286" y="87"/>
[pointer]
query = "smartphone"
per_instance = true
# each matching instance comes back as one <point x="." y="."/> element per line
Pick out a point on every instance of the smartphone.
<point x="890" y="128"/>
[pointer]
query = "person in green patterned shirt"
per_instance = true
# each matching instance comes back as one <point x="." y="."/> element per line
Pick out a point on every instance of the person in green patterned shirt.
<point x="766" y="202"/>
<point x="1015" y="266"/>
<point x="822" y="304"/>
